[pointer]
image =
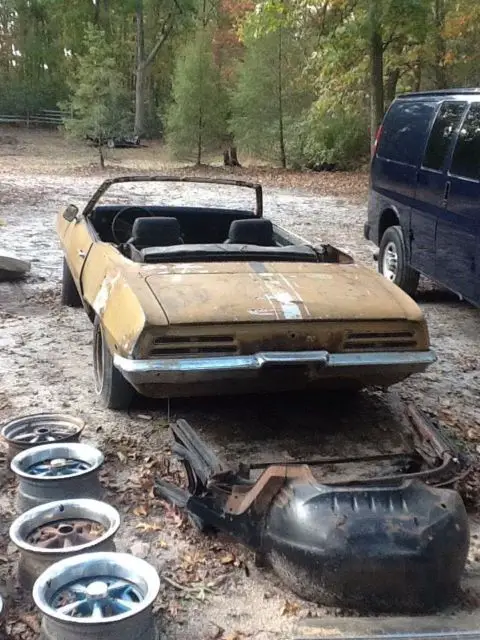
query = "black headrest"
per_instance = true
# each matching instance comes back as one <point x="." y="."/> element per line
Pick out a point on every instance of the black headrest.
<point x="259" y="232"/>
<point x="156" y="232"/>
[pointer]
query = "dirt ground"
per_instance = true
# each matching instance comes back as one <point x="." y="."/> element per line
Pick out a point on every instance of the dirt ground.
<point x="213" y="590"/>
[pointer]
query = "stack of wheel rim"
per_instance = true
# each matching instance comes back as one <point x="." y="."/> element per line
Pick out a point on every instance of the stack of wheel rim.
<point x="65" y="536"/>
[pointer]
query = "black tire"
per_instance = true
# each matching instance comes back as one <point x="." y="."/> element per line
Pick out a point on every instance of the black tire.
<point x="70" y="295"/>
<point x="399" y="272"/>
<point x="111" y="388"/>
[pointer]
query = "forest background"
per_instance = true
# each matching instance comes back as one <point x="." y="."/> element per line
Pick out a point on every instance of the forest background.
<point x="295" y="83"/>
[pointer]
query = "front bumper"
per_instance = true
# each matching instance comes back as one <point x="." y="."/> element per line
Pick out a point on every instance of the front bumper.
<point x="366" y="369"/>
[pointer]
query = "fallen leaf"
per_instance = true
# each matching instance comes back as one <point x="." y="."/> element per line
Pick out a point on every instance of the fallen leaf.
<point x="290" y="608"/>
<point x="148" y="527"/>
<point x="141" y="511"/>
<point x="31" y="621"/>
<point x="162" y="544"/>
<point x="144" y="416"/>
<point x="229" y="558"/>
<point x="121" y="456"/>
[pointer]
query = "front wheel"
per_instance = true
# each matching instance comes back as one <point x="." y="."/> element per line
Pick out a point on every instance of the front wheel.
<point x="70" y="295"/>
<point x="113" y="391"/>
<point x="393" y="263"/>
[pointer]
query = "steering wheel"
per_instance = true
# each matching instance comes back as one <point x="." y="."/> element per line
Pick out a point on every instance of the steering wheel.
<point x="123" y="220"/>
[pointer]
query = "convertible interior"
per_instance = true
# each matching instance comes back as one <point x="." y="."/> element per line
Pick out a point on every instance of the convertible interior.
<point x="155" y="234"/>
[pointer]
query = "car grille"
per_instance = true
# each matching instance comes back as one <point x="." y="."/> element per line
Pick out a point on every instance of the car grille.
<point x="193" y="345"/>
<point x="393" y="341"/>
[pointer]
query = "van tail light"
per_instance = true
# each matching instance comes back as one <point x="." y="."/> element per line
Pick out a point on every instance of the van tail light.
<point x="377" y="139"/>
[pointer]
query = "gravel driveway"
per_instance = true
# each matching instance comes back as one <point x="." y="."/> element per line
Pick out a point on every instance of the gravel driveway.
<point x="45" y="364"/>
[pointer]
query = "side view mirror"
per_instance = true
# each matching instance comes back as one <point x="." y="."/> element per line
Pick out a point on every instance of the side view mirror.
<point x="70" y="213"/>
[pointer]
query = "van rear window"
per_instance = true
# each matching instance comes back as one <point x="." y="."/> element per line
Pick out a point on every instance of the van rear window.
<point x="443" y="130"/>
<point x="466" y="157"/>
<point x="405" y="130"/>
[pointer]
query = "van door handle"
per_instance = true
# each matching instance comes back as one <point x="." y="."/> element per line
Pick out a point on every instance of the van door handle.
<point x="446" y="193"/>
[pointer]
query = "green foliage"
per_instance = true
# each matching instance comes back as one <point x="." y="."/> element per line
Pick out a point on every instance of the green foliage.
<point x="196" y="119"/>
<point x="270" y="95"/>
<point x="337" y="137"/>
<point x="100" y="103"/>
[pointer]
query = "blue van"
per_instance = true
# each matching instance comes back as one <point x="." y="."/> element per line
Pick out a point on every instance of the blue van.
<point x="424" y="204"/>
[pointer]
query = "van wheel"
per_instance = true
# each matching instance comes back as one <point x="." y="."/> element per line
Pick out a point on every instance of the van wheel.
<point x="392" y="261"/>
<point x="70" y="295"/>
<point x="113" y="391"/>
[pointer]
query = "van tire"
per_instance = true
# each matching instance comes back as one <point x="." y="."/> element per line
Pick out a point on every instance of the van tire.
<point x="113" y="391"/>
<point x="393" y="250"/>
<point x="70" y="296"/>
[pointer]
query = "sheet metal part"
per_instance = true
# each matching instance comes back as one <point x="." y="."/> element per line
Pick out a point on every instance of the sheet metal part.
<point x="462" y="626"/>
<point x="396" y="542"/>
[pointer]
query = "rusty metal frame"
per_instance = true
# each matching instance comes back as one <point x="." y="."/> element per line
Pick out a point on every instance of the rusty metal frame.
<point x="238" y="493"/>
<point x="103" y="188"/>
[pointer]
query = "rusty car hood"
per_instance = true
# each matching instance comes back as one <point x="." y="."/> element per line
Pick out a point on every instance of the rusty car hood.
<point x="254" y="292"/>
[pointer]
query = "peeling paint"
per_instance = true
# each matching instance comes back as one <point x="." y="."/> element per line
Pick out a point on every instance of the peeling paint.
<point x="101" y="298"/>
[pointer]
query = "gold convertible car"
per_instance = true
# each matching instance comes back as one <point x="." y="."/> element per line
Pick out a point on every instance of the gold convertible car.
<point x="202" y="300"/>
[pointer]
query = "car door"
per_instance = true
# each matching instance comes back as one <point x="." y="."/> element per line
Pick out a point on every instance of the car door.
<point x="429" y="201"/>
<point x="458" y="226"/>
<point x="77" y="242"/>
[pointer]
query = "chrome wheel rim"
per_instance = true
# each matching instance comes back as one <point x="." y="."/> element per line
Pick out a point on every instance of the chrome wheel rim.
<point x="96" y="588"/>
<point x="97" y="598"/>
<point x="56" y="461"/>
<point x="42" y="428"/>
<point x="57" y="467"/>
<point x="98" y="360"/>
<point x="390" y="262"/>
<point x="28" y="532"/>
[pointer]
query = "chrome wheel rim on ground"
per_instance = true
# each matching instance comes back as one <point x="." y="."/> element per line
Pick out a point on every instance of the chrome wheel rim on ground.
<point x="57" y="472"/>
<point x="56" y="530"/>
<point x="98" y="596"/>
<point x="390" y="262"/>
<point x="40" y="428"/>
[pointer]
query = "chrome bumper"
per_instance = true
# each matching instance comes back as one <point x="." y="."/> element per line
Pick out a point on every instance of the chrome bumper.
<point x="317" y="363"/>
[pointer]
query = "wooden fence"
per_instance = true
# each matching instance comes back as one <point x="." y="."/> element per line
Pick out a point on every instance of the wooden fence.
<point x="47" y="117"/>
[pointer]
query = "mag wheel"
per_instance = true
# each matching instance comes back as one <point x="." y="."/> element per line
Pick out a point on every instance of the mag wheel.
<point x="56" y="472"/>
<point x="40" y="428"/>
<point x="54" y="531"/>
<point x="99" y="596"/>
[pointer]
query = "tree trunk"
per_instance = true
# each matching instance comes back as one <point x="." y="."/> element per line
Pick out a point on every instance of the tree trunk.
<point x="230" y="157"/>
<point x="139" y="126"/>
<point x="144" y="61"/>
<point x="234" y="156"/>
<point x="199" y="139"/>
<point x="102" y="157"/>
<point x="440" y="49"/>
<point x="418" y="77"/>
<point x="281" y="133"/>
<point x="391" y="85"/>
<point x="376" y="70"/>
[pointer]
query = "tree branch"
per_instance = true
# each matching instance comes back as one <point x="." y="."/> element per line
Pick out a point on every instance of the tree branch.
<point x="166" y="31"/>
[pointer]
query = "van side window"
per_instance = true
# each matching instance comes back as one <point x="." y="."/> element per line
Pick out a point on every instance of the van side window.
<point x="443" y="130"/>
<point x="405" y="124"/>
<point x="466" y="157"/>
